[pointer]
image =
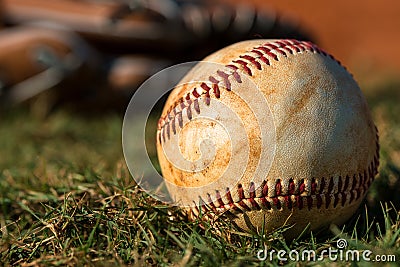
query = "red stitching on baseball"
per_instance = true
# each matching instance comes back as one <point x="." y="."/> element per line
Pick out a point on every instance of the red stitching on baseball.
<point x="313" y="199"/>
<point x="213" y="207"/>
<point x="278" y="188"/>
<point x="268" y="52"/>
<point x="302" y="186"/>
<point x="285" y="45"/>
<point x="225" y="77"/>
<point x="252" y="190"/>
<point x="313" y="186"/>
<point x="207" y="89"/>
<point x="216" y="90"/>
<point x="262" y="53"/>
<point x="265" y="203"/>
<point x="252" y="60"/>
<point x="180" y="119"/>
<point x="168" y="133"/>
<point x="265" y="188"/>
<point x="228" y="195"/>
<point x="204" y="208"/>
<point x="244" y="66"/>
<point x="292" y="187"/>
<point x="261" y="56"/>
<point x="189" y="112"/>
<point x="196" y="105"/>
<point x="240" y="191"/>
<point x="173" y="126"/>
<point x="274" y="56"/>
<point x="219" y="199"/>
<point x="195" y="93"/>
<point x="271" y="45"/>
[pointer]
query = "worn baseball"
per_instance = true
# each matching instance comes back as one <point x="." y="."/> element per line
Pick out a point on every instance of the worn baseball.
<point x="268" y="133"/>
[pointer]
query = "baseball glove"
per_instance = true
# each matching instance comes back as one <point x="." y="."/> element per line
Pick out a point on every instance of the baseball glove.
<point x="119" y="43"/>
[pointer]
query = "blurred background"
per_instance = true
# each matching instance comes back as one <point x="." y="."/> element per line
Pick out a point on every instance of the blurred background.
<point x="363" y="35"/>
<point x="95" y="53"/>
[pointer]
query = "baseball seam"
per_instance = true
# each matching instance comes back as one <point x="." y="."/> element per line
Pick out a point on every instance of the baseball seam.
<point x="327" y="193"/>
<point x="275" y="194"/>
<point x="258" y="56"/>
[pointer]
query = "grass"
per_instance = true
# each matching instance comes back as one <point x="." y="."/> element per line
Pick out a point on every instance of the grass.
<point x="67" y="199"/>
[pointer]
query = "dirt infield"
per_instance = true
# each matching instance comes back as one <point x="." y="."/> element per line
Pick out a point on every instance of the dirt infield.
<point x="363" y="34"/>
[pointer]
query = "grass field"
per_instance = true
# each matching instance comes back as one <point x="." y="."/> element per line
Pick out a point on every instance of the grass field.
<point x="67" y="198"/>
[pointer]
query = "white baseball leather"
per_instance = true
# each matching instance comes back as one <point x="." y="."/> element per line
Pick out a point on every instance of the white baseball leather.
<point x="289" y="137"/>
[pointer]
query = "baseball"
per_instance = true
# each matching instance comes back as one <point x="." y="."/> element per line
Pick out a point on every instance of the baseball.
<point x="268" y="133"/>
